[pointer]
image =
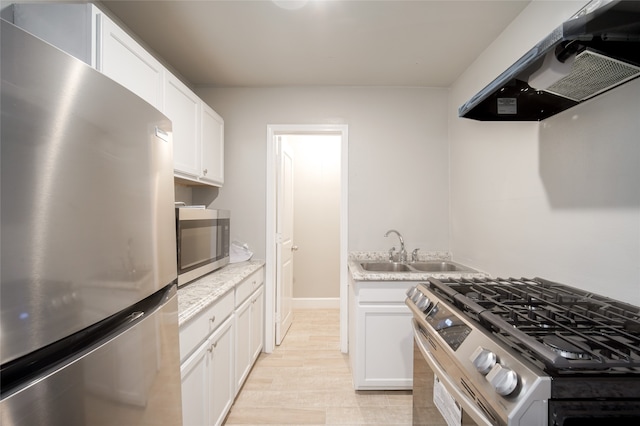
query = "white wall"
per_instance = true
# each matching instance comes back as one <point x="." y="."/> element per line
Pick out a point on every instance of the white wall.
<point x="316" y="215"/>
<point x="398" y="173"/>
<point x="558" y="199"/>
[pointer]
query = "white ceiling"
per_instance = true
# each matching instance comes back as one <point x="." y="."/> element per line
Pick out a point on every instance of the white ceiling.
<point x="425" y="43"/>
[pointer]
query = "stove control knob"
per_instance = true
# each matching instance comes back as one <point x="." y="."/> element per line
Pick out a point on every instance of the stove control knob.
<point x="416" y="296"/>
<point x="483" y="359"/>
<point x="503" y="379"/>
<point x="412" y="291"/>
<point x="423" y="303"/>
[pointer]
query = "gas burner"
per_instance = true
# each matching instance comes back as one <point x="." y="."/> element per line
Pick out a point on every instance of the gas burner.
<point x="566" y="347"/>
<point x="473" y="295"/>
<point x="559" y="327"/>
<point x="544" y="325"/>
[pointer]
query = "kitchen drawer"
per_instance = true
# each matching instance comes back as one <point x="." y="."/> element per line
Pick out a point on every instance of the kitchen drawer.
<point x="382" y="292"/>
<point x="199" y="328"/>
<point x="248" y="286"/>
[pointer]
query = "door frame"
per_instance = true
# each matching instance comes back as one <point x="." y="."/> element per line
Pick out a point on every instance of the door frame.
<point x="274" y="130"/>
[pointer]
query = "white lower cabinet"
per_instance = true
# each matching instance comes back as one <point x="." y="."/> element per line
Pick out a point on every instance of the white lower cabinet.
<point x="257" y="324"/>
<point x="208" y="380"/>
<point x="195" y="387"/>
<point x="217" y="350"/>
<point x="380" y="336"/>
<point x="243" y="334"/>
<point x="249" y="316"/>
<point x="221" y="379"/>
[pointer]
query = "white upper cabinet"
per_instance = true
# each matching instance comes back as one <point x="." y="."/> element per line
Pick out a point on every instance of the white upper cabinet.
<point x="84" y="31"/>
<point x="122" y="59"/>
<point x="212" y="146"/>
<point x="198" y="135"/>
<point x="68" y="26"/>
<point x="182" y="107"/>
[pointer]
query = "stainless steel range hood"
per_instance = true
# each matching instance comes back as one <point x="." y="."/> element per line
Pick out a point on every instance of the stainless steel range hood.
<point x="594" y="51"/>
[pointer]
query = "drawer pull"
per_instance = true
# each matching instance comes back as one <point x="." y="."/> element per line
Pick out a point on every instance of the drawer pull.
<point x="212" y="319"/>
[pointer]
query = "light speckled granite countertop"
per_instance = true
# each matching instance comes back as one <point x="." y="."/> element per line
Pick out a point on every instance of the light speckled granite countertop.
<point x="194" y="297"/>
<point x="360" y="274"/>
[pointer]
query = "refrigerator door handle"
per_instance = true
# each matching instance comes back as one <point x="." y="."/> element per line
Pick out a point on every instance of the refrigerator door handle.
<point x="135" y="315"/>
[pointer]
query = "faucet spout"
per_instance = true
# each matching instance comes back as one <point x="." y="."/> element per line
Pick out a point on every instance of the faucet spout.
<point x="402" y="254"/>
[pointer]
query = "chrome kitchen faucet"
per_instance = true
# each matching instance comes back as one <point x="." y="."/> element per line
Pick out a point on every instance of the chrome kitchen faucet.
<point x="402" y="254"/>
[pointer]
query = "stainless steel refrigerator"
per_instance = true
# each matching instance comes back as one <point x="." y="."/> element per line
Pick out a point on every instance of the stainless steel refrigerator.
<point x="89" y="324"/>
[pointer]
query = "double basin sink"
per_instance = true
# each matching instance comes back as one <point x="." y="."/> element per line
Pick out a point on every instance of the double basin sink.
<point x="434" y="266"/>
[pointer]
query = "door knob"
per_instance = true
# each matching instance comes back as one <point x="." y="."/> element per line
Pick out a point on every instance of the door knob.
<point x="294" y="248"/>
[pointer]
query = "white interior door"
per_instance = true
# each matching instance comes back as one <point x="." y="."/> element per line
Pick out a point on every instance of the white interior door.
<point x="273" y="249"/>
<point x="284" y="241"/>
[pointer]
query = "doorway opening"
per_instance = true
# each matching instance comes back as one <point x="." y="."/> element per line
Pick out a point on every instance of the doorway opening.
<point x="278" y="247"/>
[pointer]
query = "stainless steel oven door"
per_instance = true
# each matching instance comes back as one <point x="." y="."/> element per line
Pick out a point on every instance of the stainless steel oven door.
<point x="429" y="381"/>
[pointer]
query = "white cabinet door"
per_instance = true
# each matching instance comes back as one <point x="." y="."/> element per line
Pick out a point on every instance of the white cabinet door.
<point x="182" y="107"/>
<point x="195" y="387"/>
<point x="121" y="58"/>
<point x="257" y="323"/>
<point x="208" y="379"/>
<point x="212" y="146"/>
<point x="388" y="362"/>
<point x="380" y="335"/>
<point x="68" y="26"/>
<point x="85" y="32"/>
<point x="221" y="376"/>
<point x="243" y="343"/>
<point x="249" y="335"/>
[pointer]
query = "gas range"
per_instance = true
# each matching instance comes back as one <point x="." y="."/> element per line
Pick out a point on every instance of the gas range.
<point x="526" y="348"/>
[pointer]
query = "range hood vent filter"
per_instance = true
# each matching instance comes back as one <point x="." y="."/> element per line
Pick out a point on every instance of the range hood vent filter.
<point x="594" y="51"/>
<point x="591" y="75"/>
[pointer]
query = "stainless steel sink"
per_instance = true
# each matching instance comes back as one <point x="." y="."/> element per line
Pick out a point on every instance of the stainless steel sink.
<point x="385" y="267"/>
<point x="436" y="266"/>
<point x="439" y="266"/>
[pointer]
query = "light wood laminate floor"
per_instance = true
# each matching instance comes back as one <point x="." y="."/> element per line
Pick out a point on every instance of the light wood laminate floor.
<point x="307" y="381"/>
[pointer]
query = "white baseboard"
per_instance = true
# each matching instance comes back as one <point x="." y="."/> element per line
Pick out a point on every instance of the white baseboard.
<point x="316" y="303"/>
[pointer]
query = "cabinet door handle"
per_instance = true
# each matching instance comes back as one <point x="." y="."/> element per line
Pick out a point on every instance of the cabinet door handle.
<point x="212" y="319"/>
<point x="205" y="171"/>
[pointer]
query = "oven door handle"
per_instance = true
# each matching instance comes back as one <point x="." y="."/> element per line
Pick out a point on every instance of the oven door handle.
<point x="467" y="405"/>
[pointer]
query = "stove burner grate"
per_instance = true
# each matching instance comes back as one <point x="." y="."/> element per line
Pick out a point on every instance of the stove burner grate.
<point x="566" y="348"/>
<point x="563" y="327"/>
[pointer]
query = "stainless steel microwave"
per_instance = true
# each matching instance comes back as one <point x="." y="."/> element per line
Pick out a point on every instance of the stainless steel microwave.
<point x="202" y="241"/>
